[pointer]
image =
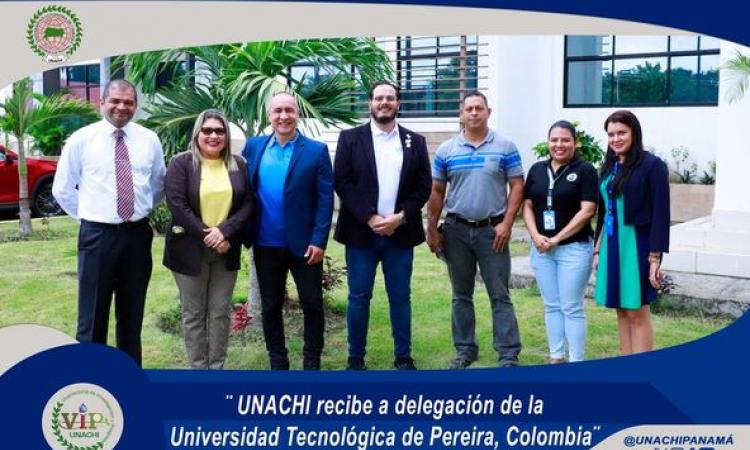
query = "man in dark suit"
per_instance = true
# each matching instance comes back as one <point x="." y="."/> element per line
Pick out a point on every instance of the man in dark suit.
<point x="382" y="174"/>
<point x="292" y="179"/>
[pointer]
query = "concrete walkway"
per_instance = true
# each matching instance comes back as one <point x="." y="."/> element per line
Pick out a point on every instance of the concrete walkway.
<point x="712" y="294"/>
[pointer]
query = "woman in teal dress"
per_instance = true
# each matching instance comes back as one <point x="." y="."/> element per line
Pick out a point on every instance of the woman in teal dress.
<point x="632" y="231"/>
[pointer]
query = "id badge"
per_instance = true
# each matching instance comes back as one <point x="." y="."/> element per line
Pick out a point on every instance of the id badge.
<point x="549" y="220"/>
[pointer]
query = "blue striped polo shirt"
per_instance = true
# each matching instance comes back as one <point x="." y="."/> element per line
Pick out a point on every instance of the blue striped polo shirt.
<point x="478" y="176"/>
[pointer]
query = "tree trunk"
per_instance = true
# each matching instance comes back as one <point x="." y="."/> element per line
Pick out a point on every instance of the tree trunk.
<point x="253" y="292"/>
<point x="24" y="214"/>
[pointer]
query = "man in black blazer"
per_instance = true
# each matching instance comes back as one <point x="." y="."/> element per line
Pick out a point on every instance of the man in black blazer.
<point x="382" y="176"/>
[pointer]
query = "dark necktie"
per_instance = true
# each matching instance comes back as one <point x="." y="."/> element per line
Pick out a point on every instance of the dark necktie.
<point x="123" y="178"/>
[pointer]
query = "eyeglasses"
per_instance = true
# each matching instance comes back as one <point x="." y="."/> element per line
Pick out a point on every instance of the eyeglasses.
<point x="208" y="131"/>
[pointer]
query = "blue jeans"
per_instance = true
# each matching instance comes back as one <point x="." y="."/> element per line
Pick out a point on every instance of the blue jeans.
<point x="562" y="274"/>
<point x="464" y="247"/>
<point x="361" y="264"/>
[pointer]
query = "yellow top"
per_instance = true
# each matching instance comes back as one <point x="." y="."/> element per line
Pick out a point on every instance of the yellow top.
<point x="215" y="192"/>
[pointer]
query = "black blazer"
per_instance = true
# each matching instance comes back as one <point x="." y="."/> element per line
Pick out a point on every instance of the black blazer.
<point x="646" y="197"/>
<point x="183" y="246"/>
<point x="356" y="183"/>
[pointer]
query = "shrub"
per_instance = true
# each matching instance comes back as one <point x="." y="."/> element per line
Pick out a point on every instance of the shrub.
<point x="240" y="318"/>
<point x="666" y="284"/>
<point x="50" y="136"/>
<point x="49" y="141"/>
<point x="170" y="321"/>
<point x="160" y="218"/>
<point x="685" y="170"/>
<point x="333" y="277"/>
<point x="709" y="176"/>
<point x="588" y="147"/>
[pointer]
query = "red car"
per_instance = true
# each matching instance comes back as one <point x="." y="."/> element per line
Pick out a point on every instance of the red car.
<point x="40" y="175"/>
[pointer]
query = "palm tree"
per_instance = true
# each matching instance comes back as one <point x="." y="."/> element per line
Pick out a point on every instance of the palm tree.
<point x="738" y="69"/>
<point x="23" y="110"/>
<point x="240" y="78"/>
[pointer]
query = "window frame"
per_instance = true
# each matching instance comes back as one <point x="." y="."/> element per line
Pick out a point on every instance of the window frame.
<point x="404" y="59"/>
<point x="434" y="53"/>
<point x="88" y="86"/>
<point x="698" y="53"/>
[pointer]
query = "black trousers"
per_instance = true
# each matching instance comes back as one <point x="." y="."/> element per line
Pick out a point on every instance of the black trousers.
<point x="272" y="265"/>
<point x="113" y="259"/>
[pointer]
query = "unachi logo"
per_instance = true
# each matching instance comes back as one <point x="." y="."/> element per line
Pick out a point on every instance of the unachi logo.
<point x="82" y="416"/>
<point x="54" y="33"/>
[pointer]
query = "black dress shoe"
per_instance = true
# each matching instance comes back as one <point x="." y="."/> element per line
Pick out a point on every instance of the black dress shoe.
<point x="279" y="363"/>
<point x="311" y="363"/>
<point x="355" y="363"/>
<point x="404" y="363"/>
<point x="460" y="363"/>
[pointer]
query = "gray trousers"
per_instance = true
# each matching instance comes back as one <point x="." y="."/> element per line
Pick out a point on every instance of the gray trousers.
<point x="464" y="247"/>
<point x="206" y="307"/>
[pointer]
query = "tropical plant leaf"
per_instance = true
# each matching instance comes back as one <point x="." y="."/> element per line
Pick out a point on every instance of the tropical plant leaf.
<point x="143" y="68"/>
<point x="172" y="114"/>
<point x="240" y="79"/>
<point x="25" y="109"/>
<point x="738" y="76"/>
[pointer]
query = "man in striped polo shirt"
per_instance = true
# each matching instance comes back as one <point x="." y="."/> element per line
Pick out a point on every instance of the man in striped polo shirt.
<point x="486" y="177"/>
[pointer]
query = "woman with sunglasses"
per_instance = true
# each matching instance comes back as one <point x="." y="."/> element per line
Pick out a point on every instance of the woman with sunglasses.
<point x="559" y="202"/>
<point x="632" y="230"/>
<point x="208" y="195"/>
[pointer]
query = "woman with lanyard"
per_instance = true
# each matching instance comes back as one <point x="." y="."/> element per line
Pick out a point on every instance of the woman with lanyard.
<point x="632" y="230"/>
<point x="559" y="201"/>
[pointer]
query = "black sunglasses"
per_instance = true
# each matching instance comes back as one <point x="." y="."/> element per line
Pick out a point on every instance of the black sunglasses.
<point x="208" y="130"/>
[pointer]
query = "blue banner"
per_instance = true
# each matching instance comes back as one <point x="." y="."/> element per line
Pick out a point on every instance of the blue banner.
<point x="88" y="397"/>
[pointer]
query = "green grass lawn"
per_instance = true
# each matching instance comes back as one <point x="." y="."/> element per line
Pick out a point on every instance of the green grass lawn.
<point x="38" y="285"/>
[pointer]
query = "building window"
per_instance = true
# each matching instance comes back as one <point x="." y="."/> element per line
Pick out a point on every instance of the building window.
<point x="641" y="71"/>
<point x="81" y="82"/>
<point x="308" y="75"/>
<point x="434" y="72"/>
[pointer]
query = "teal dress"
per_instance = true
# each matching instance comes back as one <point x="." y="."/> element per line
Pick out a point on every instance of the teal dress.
<point x="623" y="271"/>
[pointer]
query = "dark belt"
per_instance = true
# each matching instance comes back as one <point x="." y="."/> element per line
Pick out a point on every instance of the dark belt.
<point x="477" y="223"/>
<point x="118" y="226"/>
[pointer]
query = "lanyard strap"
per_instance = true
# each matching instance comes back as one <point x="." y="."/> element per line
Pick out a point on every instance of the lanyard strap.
<point x="609" y="221"/>
<point x="551" y="186"/>
<point x="611" y="189"/>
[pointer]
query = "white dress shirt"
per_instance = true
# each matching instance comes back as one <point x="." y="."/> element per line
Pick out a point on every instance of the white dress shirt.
<point x="88" y="162"/>
<point x="389" y="159"/>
